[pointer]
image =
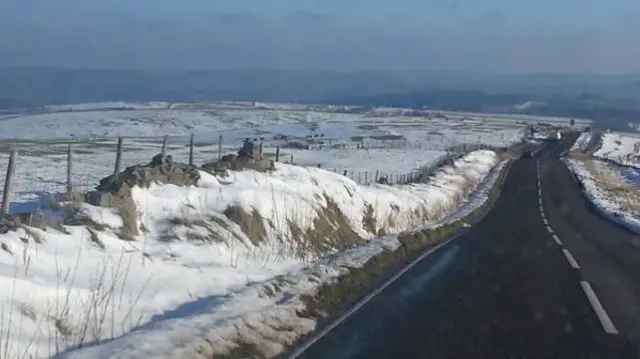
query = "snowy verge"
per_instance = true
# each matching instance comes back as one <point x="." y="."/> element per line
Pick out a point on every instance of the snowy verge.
<point x="581" y="143"/>
<point x="605" y="201"/>
<point x="266" y="315"/>
<point x="620" y="147"/>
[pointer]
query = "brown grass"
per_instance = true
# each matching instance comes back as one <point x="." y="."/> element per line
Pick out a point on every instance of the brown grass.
<point x="614" y="185"/>
<point x="252" y="224"/>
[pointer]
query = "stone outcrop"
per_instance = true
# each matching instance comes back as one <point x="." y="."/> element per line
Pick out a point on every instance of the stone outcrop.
<point x="161" y="169"/>
<point x="249" y="157"/>
<point x="8" y="223"/>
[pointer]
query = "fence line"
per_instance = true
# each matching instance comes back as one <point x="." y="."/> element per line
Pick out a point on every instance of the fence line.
<point x="74" y="151"/>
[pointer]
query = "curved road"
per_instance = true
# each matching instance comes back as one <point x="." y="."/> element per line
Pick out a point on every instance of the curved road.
<point x="541" y="276"/>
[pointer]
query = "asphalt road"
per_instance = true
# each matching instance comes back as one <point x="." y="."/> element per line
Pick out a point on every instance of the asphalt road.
<point x="512" y="286"/>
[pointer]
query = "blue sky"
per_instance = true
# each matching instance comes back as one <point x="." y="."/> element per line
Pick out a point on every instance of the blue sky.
<point x="478" y="35"/>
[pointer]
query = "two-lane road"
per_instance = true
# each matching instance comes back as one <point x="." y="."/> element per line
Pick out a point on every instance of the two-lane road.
<point x="504" y="289"/>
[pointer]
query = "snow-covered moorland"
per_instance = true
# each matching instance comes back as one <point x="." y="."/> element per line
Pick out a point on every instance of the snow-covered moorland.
<point x="225" y="260"/>
<point x="620" y="147"/>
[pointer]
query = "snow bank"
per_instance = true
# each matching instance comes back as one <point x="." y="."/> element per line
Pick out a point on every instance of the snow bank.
<point x="193" y="273"/>
<point x="622" y="148"/>
<point x="602" y="201"/>
<point x="262" y="314"/>
<point x="582" y="142"/>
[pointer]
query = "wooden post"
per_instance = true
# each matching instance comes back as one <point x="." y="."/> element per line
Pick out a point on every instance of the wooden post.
<point x="69" y="171"/>
<point x="359" y="178"/>
<point x="116" y="170"/>
<point x="164" y="145"/>
<point x="366" y="179"/>
<point x="6" y="195"/>
<point x="260" y="149"/>
<point x="377" y="176"/>
<point x="220" y="148"/>
<point x="291" y="162"/>
<point x="277" y="153"/>
<point x="191" y="150"/>
<point x="345" y="173"/>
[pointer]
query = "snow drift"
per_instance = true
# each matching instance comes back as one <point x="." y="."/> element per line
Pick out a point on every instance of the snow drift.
<point x="201" y="249"/>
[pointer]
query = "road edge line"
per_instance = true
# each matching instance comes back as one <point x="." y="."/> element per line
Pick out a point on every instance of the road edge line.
<point x="602" y="315"/>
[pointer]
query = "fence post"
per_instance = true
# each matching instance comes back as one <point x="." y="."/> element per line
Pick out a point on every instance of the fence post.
<point x="377" y="176"/>
<point x="366" y="175"/>
<point x="191" y="150"/>
<point x="116" y="170"/>
<point x="6" y="195"/>
<point x="260" y="149"/>
<point x="69" y="171"/>
<point x="164" y="146"/>
<point x="220" y="148"/>
<point x="345" y="173"/>
<point x="291" y="162"/>
<point x="277" y="153"/>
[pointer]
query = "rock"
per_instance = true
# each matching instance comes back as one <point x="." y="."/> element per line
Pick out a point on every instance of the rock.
<point x="161" y="169"/>
<point x="8" y="224"/>
<point x="249" y="157"/>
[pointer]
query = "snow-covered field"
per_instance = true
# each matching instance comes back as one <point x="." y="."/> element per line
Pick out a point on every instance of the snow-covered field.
<point x="192" y="279"/>
<point x="620" y="147"/>
<point x="389" y="145"/>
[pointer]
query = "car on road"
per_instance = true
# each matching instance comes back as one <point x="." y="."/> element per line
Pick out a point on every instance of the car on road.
<point x="528" y="154"/>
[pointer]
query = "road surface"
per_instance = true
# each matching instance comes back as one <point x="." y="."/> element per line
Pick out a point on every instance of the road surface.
<point x="528" y="281"/>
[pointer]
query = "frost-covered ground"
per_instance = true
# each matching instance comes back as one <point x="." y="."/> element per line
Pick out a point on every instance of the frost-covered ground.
<point x="610" y="189"/>
<point x="192" y="279"/>
<point x="185" y="285"/>
<point x="582" y="142"/>
<point x="620" y="147"/>
<point x="361" y="144"/>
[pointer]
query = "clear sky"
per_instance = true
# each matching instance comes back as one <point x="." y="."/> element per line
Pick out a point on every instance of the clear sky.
<point x="480" y="35"/>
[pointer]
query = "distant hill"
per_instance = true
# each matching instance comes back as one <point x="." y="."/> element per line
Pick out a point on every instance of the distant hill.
<point x="611" y="99"/>
<point x="39" y="85"/>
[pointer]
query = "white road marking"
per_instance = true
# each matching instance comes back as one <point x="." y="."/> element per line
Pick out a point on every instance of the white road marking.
<point x="545" y="222"/>
<point x="556" y="239"/>
<point x="606" y="322"/>
<point x="550" y="230"/>
<point x="302" y="348"/>
<point x="543" y="216"/>
<point x="572" y="261"/>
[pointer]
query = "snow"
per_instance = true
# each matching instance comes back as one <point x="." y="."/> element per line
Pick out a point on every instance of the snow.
<point x="390" y="145"/>
<point x="620" y="147"/>
<point x="67" y="277"/>
<point x="251" y="315"/>
<point x="191" y="274"/>
<point x="610" y="203"/>
<point x="94" y="106"/>
<point x="582" y="142"/>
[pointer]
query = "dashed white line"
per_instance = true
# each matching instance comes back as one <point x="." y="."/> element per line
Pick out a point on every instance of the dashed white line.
<point x="545" y="221"/>
<point x="550" y="230"/>
<point x="606" y="322"/>
<point x="572" y="261"/>
<point x="556" y="239"/>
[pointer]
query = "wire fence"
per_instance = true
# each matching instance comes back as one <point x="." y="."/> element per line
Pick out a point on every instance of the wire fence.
<point x="39" y="172"/>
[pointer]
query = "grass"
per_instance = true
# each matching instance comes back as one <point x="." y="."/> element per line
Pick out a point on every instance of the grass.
<point x="332" y="298"/>
<point x="252" y="224"/>
<point x="616" y="188"/>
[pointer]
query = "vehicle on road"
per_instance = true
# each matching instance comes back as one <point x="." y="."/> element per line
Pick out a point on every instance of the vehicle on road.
<point x="527" y="154"/>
